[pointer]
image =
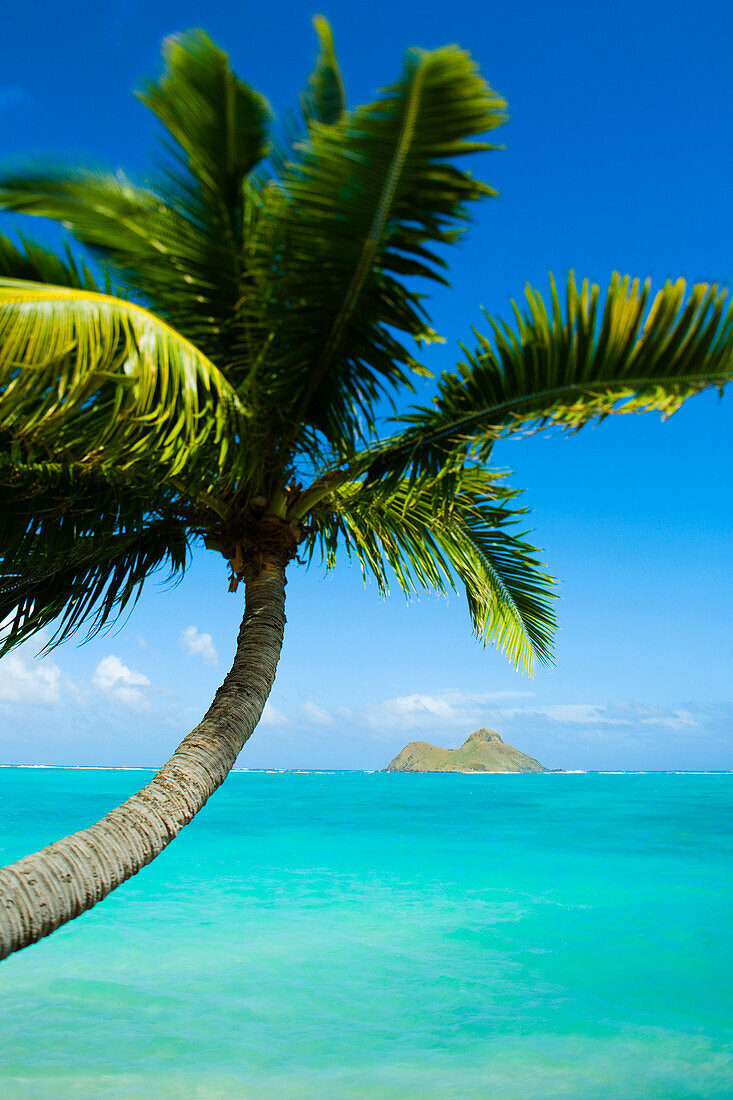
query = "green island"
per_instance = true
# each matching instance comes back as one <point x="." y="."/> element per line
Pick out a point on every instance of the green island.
<point x="483" y="751"/>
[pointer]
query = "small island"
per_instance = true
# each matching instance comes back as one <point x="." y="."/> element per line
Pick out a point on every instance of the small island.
<point x="483" y="751"/>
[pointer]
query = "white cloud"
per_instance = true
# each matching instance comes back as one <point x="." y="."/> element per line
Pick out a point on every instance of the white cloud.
<point x="198" y="645"/>
<point x="678" y="719"/>
<point x="601" y="715"/>
<point x="37" y="682"/>
<point x="271" y="716"/>
<point x="407" y="709"/>
<point x="316" y="715"/>
<point x="584" y="714"/>
<point x="120" y="682"/>
<point x="111" y="671"/>
<point x="443" y="709"/>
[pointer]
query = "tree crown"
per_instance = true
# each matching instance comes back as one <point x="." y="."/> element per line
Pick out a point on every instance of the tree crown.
<point x="259" y="305"/>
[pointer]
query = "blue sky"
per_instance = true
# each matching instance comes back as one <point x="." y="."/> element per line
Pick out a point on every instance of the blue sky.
<point x="618" y="157"/>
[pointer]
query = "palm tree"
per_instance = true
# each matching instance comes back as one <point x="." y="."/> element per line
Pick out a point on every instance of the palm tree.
<point x="218" y="377"/>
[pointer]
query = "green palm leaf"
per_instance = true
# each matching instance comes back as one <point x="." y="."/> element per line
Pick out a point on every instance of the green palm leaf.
<point x="218" y="123"/>
<point x="159" y="250"/>
<point x="428" y="532"/>
<point x="34" y="263"/>
<point x="324" y="100"/>
<point x="360" y="209"/>
<point x="178" y="241"/>
<point x="77" y="545"/>
<point x="570" y="369"/>
<point x="91" y="378"/>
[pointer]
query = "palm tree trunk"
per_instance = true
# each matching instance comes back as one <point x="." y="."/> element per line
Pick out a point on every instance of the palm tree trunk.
<point x="43" y="891"/>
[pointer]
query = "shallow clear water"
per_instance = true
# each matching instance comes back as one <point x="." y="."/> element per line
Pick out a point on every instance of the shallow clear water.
<point x="378" y="935"/>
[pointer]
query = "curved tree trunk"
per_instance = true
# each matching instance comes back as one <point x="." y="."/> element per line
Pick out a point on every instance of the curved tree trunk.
<point x="43" y="891"/>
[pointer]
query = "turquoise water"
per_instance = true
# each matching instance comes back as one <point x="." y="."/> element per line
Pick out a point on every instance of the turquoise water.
<point x="386" y="936"/>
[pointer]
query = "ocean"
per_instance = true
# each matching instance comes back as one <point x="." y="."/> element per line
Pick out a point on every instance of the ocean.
<point x="354" y="935"/>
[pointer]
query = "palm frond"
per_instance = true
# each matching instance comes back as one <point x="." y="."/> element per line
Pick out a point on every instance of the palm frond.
<point x="569" y="370"/>
<point x="219" y="124"/>
<point x="358" y="211"/>
<point x="324" y="99"/>
<point x="323" y="102"/>
<point x="37" y="264"/>
<point x="187" y="271"/>
<point x="88" y="377"/>
<point x="77" y="544"/>
<point x="431" y="531"/>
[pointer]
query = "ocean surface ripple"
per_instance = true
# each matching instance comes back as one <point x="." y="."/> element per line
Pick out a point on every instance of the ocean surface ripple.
<point x="407" y="937"/>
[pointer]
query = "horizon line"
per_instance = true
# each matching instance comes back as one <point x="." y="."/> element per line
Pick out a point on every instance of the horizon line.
<point x="378" y="771"/>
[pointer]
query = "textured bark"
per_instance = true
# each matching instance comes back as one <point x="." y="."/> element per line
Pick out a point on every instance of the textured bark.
<point x="43" y="891"/>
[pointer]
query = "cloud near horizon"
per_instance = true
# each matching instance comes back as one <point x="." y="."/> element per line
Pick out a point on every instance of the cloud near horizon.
<point x="564" y="730"/>
<point x="603" y="715"/>
<point x="445" y="709"/>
